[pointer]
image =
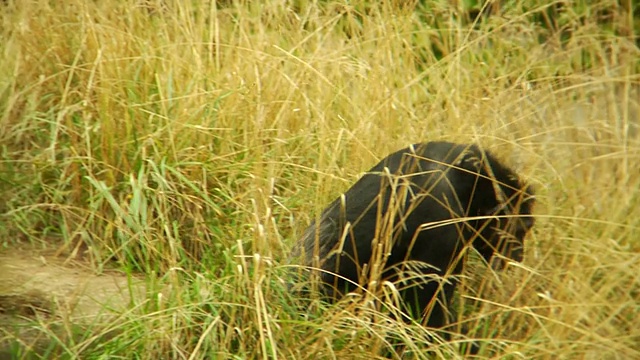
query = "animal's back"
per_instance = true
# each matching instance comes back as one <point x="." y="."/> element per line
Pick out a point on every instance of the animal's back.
<point x="417" y="179"/>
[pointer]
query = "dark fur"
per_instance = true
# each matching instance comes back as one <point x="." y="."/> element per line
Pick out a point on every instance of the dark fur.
<point x="414" y="214"/>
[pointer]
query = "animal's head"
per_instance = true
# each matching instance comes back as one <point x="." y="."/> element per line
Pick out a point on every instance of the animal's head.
<point x="505" y="226"/>
<point x="508" y="225"/>
<point x="503" y="205"/>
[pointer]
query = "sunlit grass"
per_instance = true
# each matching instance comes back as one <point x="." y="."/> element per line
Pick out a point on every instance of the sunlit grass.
<point x="190" y="143"/>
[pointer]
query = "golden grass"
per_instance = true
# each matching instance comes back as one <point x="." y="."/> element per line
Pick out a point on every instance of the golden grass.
<point x="193" y="141"/>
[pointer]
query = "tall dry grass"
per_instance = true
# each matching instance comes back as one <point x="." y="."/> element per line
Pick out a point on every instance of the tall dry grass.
<point x="193" y="141"/>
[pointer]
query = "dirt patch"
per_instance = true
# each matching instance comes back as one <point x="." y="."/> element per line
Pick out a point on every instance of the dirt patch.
<point x="44" y="296"/>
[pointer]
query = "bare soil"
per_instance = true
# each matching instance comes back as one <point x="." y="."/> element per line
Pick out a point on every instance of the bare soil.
<point x="45" y="299"/>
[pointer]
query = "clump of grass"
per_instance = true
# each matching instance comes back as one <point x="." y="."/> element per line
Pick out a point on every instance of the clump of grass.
<point x="190" y="143"/>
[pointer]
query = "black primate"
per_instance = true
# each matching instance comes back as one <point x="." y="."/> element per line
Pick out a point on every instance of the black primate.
<point x="410" y="219"/>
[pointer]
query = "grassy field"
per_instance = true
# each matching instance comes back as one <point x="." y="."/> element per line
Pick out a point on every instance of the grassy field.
<point x="187" y="144"/>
